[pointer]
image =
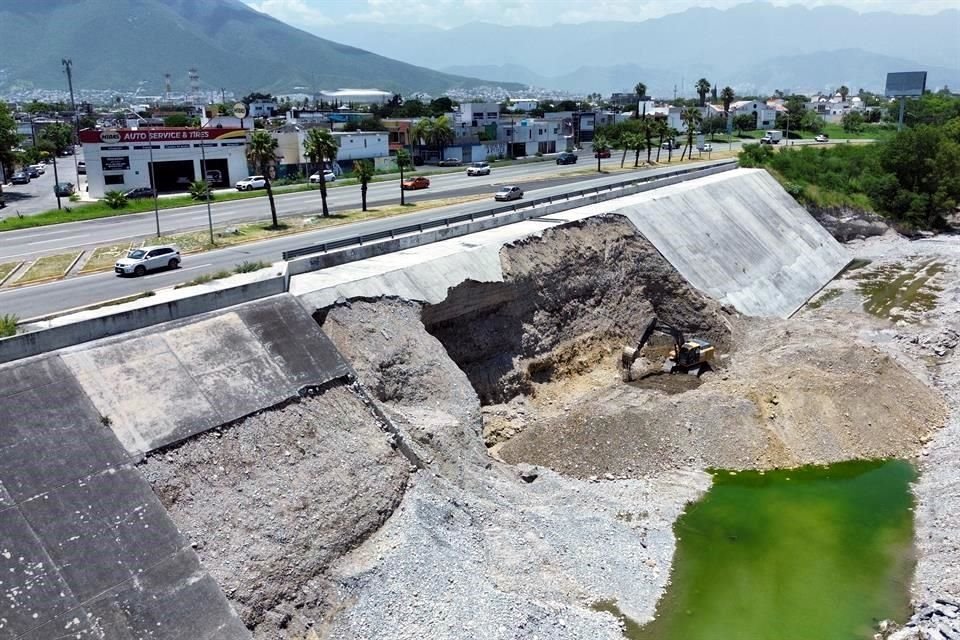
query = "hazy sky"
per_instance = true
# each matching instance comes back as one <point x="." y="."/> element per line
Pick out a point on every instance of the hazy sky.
<point x="321" y="14"/>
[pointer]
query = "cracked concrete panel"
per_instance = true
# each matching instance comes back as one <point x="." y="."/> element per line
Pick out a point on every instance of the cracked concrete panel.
<point x="144" y="389"/>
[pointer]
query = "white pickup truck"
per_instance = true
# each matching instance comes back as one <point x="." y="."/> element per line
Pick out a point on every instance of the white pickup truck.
<point x="772" y="137"/>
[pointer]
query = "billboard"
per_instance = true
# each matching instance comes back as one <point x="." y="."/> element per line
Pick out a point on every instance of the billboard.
<point x="906" y="84"/>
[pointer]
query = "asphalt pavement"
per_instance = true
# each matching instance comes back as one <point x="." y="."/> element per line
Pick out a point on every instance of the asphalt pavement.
<point x="37" y="300"/>
<point x="37" y="195"/>
<point x="25" y="243"/>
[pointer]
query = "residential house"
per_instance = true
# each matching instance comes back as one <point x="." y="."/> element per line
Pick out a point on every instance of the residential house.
<point x="765" y="115"/>
<point x="522" y="104"/>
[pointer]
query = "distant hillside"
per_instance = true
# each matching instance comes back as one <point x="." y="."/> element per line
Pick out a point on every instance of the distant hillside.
<point x="726" y="46"/>
<point x="115" y="44"/>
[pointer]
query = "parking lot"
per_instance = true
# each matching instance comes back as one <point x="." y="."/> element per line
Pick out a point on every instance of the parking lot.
<point x="38" y="195"/>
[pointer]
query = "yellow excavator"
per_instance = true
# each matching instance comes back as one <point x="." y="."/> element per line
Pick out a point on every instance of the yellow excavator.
<point x="688" y="356"/>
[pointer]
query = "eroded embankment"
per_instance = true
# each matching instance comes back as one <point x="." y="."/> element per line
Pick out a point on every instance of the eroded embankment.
<point x="270" y="502"/>
<point x="570" y="297"/>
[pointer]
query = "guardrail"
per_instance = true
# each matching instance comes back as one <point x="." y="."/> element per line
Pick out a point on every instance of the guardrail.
<point x="494" y="211"/>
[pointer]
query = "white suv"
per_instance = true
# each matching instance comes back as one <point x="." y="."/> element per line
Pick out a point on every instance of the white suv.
<point x="478" y="169"/>
<point x="328" y="176"/>
<point x="251" y="182"/>
<point x="143" y="259"/>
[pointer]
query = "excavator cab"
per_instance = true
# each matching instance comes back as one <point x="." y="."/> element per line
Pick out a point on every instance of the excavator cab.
<point x="688" y="356"/>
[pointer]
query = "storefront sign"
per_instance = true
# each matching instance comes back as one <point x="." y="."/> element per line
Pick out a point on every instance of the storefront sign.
<point x="160" y="134"/>
<point x="115" y="163"/>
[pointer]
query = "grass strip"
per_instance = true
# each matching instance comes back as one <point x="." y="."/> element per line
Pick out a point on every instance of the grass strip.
<point x="47" y="267"/>
<point x="6" y="269"/>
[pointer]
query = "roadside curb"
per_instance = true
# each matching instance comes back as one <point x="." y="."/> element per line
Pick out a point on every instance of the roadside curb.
<point x="13" y="271"/>
<point x="48" y="279"/>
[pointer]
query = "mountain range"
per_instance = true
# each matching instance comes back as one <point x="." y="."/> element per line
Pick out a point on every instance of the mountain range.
<point x="753" y="47"/>
<point x="119" y="44"/>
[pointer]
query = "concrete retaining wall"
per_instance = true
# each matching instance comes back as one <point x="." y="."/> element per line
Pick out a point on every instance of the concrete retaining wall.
<point x="740" y="238"/>
<point x="106" y="324"/>
<point x="316" y="262"/>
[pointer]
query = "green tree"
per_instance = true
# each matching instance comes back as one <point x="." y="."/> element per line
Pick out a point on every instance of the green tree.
<point x="727" y="96"/>
<point x="634" y="141"/>
<point x="363" y="171"/>
<point x="176" y="120"/>
<point x="660" y="129"/>
<point x="641" y="90"/>
<point x="852" y="122"/>
<point x="646" y="129"/>
<point x="811" y="122"/>
<point x="321" y="147"/>
<point x="844" y="91"/>
<point x="262" y="153"/>
<point x="421" y="132"/>
<point x="403" y="162"/>
<point x="115" y="199"/>
<point x="9" y="139"/>
<point x="703" y="88"/>
<point x="600" y="145"/>
<point x="60" y="136"/>
<point x="745" y="122"/>
<point x="414" y="109"/>
<point x="441" y="106"/>
<point x="200" y="190"/>
<point x="441" y="134"/>
<point x="691" y="117"/>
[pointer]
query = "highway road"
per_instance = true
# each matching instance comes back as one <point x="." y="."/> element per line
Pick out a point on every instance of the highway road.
<point x="32" y="301"/>
<point x="25" y="243"/>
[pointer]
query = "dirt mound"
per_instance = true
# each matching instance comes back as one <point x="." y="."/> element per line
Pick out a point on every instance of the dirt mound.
<point x="795" y="392"/>
<point x="569" y="298"/>
<point x="272" y="501"/>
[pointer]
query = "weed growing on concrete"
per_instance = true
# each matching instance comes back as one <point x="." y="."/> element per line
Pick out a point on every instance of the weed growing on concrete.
<point x="8" y="325"/>
<point x="250" y="265"/>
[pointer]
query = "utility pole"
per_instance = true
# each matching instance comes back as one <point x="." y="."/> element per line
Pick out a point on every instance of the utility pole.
<point x="68" y="67"/>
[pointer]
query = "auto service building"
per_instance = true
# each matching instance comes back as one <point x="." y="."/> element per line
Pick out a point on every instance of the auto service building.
<point x="120" y="159"/>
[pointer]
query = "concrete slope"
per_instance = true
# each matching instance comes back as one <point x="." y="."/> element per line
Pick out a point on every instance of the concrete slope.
<point x="171" y="381"/>
<point x="739" y="237"/>
<point x="86" y="549"/>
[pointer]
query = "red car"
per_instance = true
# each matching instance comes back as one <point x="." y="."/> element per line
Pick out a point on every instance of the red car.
<point x="602" y="154"/>
<point x="416" y="183"/>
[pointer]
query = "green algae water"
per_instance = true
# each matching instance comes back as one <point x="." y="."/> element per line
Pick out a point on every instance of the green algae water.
<point x="814" y="553"/>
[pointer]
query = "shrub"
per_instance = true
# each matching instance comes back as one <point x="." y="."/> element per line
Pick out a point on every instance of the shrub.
<point x="250" y="265"/>
<point x="200" y="189"/>
<point x="8" y="325"/>
<point x="492" y="157"/>
<point x="115" y="199"/>
<point x="539" y="154"/>
<point x="755" y="155"/>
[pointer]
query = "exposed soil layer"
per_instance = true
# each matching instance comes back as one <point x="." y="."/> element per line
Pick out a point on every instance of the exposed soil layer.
<point x="271" y="502"/>
<point x="569" y="297"/>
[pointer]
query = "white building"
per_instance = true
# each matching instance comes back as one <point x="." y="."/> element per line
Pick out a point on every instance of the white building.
<point x="261" y="108"/>
<point x="478" y="114"/>
<point x="118" y="160"/>
<point x="523" y="104"/>
<point x="357" y="96"/>
<point x="354" y="145"/>
<point x="765" y="114"/>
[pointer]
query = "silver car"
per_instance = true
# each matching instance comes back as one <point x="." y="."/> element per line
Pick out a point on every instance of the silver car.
<point x="508" y="193"/>
<point x="143" y="259"/>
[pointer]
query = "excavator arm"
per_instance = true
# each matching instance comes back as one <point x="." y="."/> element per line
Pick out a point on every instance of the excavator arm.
<point x="657" y="326"/>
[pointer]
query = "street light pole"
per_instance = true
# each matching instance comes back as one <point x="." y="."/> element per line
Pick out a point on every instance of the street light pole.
<point x="206" y="184"/>
<point x="56" y="179"/>
<point x="153" y="181"/>
<point x="68" y="67"/>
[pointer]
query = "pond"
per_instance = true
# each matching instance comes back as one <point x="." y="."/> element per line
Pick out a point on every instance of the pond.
<point x="813" y="553"/>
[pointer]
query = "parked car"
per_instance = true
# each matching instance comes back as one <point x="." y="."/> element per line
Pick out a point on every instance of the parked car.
<point x="478" y="169"/>
<point x="214" y="176"/>
<point x="32" y="171"/>
<point x="82" y="167"/>
<point x="822" y="138"/>
<point x="20" y="177"/>
<point x="139" y="192"/>
<point x="567" y="158"/>
<point x="449" y="162"/>
<point x="507" y="193"/>
<point x="328" y="176"/>
<point x="706" y="147"/>
<point x="251" y="182"/>
<point x="40" y="168"/>
<point x="602" y="154"/>
<point x="669" y="144"/>
<point x="143" y="259"/>
<point x="416" y="183"/>
<point x="63" y="189"/>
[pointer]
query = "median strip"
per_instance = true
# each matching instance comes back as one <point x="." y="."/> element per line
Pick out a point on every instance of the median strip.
<point x="48" y="268"/>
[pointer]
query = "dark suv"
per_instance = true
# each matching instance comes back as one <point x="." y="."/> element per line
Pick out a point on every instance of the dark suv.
<point x="139" y="192"/>
<point x="567" y="158"/>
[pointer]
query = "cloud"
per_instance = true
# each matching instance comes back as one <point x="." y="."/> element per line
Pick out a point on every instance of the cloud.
<point x="310" y="14"/>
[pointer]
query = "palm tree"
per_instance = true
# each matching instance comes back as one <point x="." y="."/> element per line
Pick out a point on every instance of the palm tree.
<point x="691" y="117"/>
<point x="703" y="88"/>
<point x="421" y="131"/>
<point x="648" y="135"/>
<point x="728" y="96"/>
<point x="844" y="91"/>
<point x="262" y="152"/>
<point x="641" y="91"/>
<point x="403" y="161"/>
<point x="441" y="133"/>
<point x="600" y="144"/>
<point x="661" y="129"/>
<point x="321" y="147"/>
<point x="363" y="171"/>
